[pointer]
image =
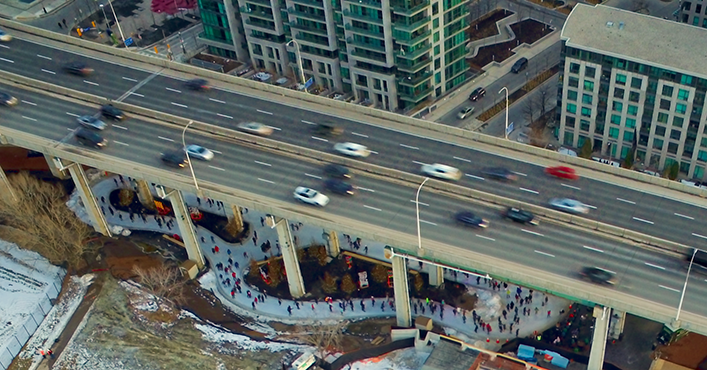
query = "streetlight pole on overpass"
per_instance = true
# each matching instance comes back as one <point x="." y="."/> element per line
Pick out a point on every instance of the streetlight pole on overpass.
<point x="299" y="61"/>
<point x="417" y="211"/>
<point x="184" y="146"/>
<point x="505" y="132"/>
<point x="684" y="288"/>
<point x="117" y="23"/>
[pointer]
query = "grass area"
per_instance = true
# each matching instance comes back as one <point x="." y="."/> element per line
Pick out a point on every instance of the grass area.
<point x="527" y="32"/>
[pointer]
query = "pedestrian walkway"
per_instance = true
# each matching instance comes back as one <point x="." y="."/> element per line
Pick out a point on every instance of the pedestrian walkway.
<point x="503" y="311"/>
<point x="181" y="45"/>
<point x="21" y="11"/>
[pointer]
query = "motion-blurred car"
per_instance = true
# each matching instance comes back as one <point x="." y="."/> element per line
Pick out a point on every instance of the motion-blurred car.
<point x="92" y="122"/>
<point x="197" y="84"/>
<point x="465" y="112"/>
<point x="569" y="205"/>
<point x="77" y="68"/>
<point x="8" y="100"/>
<point x="340" y="187"/>
<point x="441" y="171"/>
<point x="477" y="94"/>
<point x="255" y="128"/>
<point x="311" y="196"/>
<point x="562" y="172"/>
<point x="199" y="152"/>
<point x="467" y="218"/>
<point x="327" y="130"/>
<point x="4" y="36"/>
<point x="500" y="173"/>
<point x="337" y="171"/>
<point x="352" y="150"/>
<point x="520" y="216"/>
<point x="90" y="138"/>
<point x="598" y="276"/>
<point x="112" y="112"/>
<point x="174" y="159"/>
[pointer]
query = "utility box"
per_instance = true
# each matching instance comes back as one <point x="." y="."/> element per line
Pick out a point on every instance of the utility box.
<point x="304" y="361"/>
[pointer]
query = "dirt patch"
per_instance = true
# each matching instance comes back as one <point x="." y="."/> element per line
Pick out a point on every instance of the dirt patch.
<point x="122" y="256"/>
<point x="547" y="3"/>
<point x="689" y="351"/>
<point x="527" y="31"/>
<point x="227" y="64"/>
<point x="486" y="25"/>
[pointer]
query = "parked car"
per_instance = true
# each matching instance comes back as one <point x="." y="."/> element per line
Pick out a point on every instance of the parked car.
<point x="562" y="172"/>
<point x="477" y="94"/>
<point x="465" y="112"/>
<point x="352" y="150"/>
<point x="311" y="196"/>
<point x="441" y="171"/>
<point x="569" y="205"/>
<point x="598" y="276"/>
<point x="467" y="218"/>
<point x="500" y="173"/>
<point x="520" y="216"/>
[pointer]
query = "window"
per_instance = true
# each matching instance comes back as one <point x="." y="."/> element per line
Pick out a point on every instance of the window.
<point x="634" y="97"/>
<point x="438" y="63"/>
<point x="675" y="134"/>
<point x="660" y="130"/>
<point x="636" y="82"/>
<point x="613" y="132"/>
<point x="683" y="94"/>
<point x="632" y="110"/>
<point x="574" y="68"/>
<point x="438" y="77"/>
<point x="586" y="112"/>
<point x="590" y="72"/>
<point x="680" y="108"/>
<point x="435" y="8"/>
<point x="569" y="122"/>
<point x="678" y="121"/>
<point x="628" y="136"/>
<point x="658" y="144"/>
<point x="619" y="93"/>
<point x="704" y="142"/>
<point x="572" y="95"/>
<point x="668" y="90"/>
<point x="435" y="23"/>
<point x="616" y="119"/>
<point x="702" y="156"/>
<point x="665" y="104"/>
<point x="587" y="99"/>
<point x="572" y="108"/>
<point x="588" y="85"/>
<point x="569" y="138"/>
<point x="437" y="51"/>
<point x="630" y="123"/>
<point x="672" y="148"/>
<point x="573" y="82"/>
<point x="621" y="79"/>
<point x="584" y="125"/>
<point x="663" y="117"/>
<point x="624" y="152"/>
<point x="686" y="80"/>
<point x="617" y="106"/>
<point x="436" y="38"/>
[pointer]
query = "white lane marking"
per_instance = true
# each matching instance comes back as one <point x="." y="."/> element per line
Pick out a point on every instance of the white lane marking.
<point x="48" y="71"/>
<point x="428" y="222"/>
<point x="669" y="288"/>
<point x="486" y="237"/>
<point x="373" y="151"/>
<point x="217" y="168"/>
<point x="179" y="105"/>
<point x="173" y="90"/>
<point x="72" y="114"/>
<point x="275" y="128"/>
<point x="462" y="159"/>
<point x="314" y="176"/>
<point x="29" y="102"/>
<point x="7" y="60"/>
<point x="320" y="139"/>
<point x="217" y="101"/>
<point x="529" y="190"/>
<point x="625" y="201"/>
<point x="593" y="249"/>
<point x="121" y="143"/>
<point x="29" y="118"/>
<point x="684" y="216"/>
<point x="129" y="79"/>
<point x="90" y="83"/>
<point x="216" y="151"/>
<point x="410" y="147"/>
<point x="224" y="115"/>
<point x="44" y="57"/>
<point x="475" y="177"/>
<point x="520" y="173"/>
<point x="531" y="232"/>
<point x="268" y="181"/>
<point x="120" y="127"/>
<point x="699" y="235"/>
<point x="366" y="189"/>
<point x="309" y="123"/>
<point x="263" y="163"/>
<point x="590" y="206"/>
<point x="70" y="129"/>
<point x="571" y="186"/>
<point x="642" y="220"/>
<point x="136" y="94"/>
<point x="544" y="253"/>
<point x="654" y="266"/>
<point x="264" y="112"/>
<point x="373" y="208"/>
<point x="357" y="134"/>
<point x="420" y="203"/>
<point x="4" y="46"/>
<point x="420" y="163"/>
<point x="165" y="138"/>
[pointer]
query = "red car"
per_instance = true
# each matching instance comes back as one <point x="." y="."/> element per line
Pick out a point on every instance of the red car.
<point x="562" y="172"/>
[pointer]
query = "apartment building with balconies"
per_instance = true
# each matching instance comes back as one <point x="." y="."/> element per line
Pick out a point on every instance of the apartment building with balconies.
<point x="223" y="32"/>
<point x="634" y="84"/>
<point x="694" y="13"/>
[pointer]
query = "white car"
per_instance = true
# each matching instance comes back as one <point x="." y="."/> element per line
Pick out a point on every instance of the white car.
<point x="199" y="152"/>
<point x="255" y="128"/>
<point x="92" y="122"/>
<point x="352" y="150"/>
<point x="311" y="196"/>
<point x="4" y="36"/>
<point x="569" y="205"/>
<point x="441" y="171"/>
<point x="465" y="112"/>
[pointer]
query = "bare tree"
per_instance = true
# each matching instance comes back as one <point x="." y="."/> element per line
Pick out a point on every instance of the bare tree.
<point x="163" y="281"/>
<point x="325" y="338"/>
<point x="544" y="91"/>
<point x="529" y="109"/>
<point x="35" y="216"/>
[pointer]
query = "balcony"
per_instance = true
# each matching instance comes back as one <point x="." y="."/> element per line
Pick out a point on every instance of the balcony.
<point x="318" y="31"/>
<point x="415" y="40"/>
<point x="318" y="4"/>
<point x="308" y="15"/>
<point x="267" y="3"/>
<point x="264" y="25"/>
<point x="415" y="81"/>
<point x="322" y="41"/>
<point x="364" y="31"/>
<point x="213" y="40"/>
<point x="365" y="45"/>
<point x="409" y="9"/>
<point x="404" y="26"/>
<point x="415" y="97"/>
<point x="411" y="66"/>
<point x="257" y="13"/>
<point x="363" y="18"/>
<point x="370" y="3"/>
<point x="360" y="54"/>
<point x="415" y="53"/>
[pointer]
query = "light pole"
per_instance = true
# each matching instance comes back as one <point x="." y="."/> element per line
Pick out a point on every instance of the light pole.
<point x="105" y="17"/>
<point x="684" y="288"/>
<point x="116" y="22"/>
<point x="417" y="210"/>
<point x="299" y="60"/>
<point x="505" y="132"/>
<point x="184" y="144"/>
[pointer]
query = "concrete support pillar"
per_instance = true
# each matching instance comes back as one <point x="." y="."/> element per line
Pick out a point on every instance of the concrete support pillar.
<point x="145" y="195"/>
<point x="55" y="166"/>
<point x="401" y="292"/>
<point x="186" y="228"/>
<point x="98" y="219"/>
<point x="602" y="317"/>
<point x="616" y="327"/>
<point x="235" y="223"/>
<point x="5" y="186"/>
<point x="436" y="275"/>
<point x="289" y="255"/>
<point x="333" y="243"/>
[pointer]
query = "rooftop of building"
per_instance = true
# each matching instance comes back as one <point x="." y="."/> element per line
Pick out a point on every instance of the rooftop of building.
<point x="637" y="37"/>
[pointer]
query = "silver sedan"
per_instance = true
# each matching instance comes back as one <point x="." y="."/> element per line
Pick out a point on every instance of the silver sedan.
<point x="255" y="128"/>
<point x="199" y="152"/>
<point x="92" y="122"/>
<point x="569" y="205"/>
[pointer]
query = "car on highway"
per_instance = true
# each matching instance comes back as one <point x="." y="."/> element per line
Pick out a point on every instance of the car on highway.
<point x="4" y="36"/>
<point x="520" y="216"/>
<point x="500" y="173"/>
<point x="477" y="94"/>
<point x="338" y="186"/>
<point x="352" y="150"/>
<point x="337" y="171"/>
<point x="465" y="112"/>
<point x="197" y="84"/>
<point x="569" y="205"/>
<point x="90" y="138"/>
<point x="112" y="112"/>
<point x="467" y="218"/>
<point x="255" y="128"/>
<point x="174" y="158"/>
<point x="92" y="122"/>
<point x="199" y="152"/>
<point x="562" y="172"/>
<point x="77" y="68"/>
<point x="311" y="196"/>
<point x="8" y="100"/>
<point x="441" y="171"/>
<point x="324" y="129"/>
<point x="598" y="276"/>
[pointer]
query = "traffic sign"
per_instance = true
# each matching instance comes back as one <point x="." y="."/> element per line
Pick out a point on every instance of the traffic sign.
<point x="128" y="41"/>
<point x="309" y="83"/>
<point x="509" y="129"/>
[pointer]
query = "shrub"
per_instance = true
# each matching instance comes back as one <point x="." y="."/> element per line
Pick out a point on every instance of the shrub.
<point x="347" y="284"/>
